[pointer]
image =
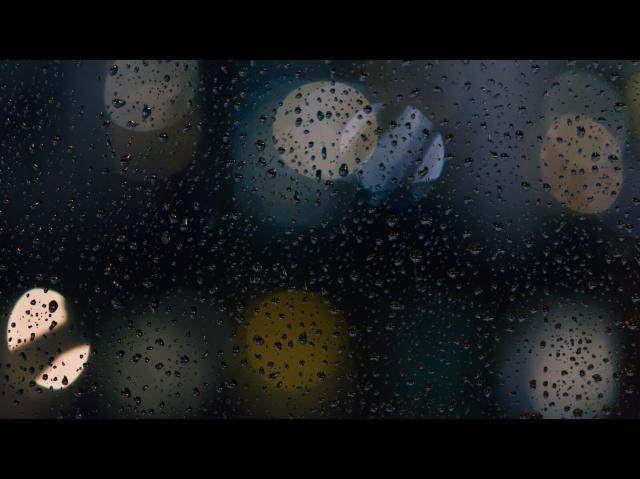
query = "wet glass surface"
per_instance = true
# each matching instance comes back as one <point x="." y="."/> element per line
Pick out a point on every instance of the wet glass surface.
<point x="319" y="239"/>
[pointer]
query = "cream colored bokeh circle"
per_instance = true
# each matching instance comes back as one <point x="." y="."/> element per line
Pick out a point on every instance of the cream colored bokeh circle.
<point x="564" y="363"/>
<point x="65" y="368"/>
<point x="36" y="313"/>
<point x="581" y="163"/>
<point x="577" y="375"/>
<point x="149" y="95"/>
<point x="325" y="126"/>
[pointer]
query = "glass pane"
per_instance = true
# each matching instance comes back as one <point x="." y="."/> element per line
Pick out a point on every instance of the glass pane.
<point x="319" y="239"/>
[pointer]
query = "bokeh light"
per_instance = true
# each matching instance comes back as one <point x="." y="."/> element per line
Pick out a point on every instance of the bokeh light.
<point x="43" y="356"/>
<point x="38" y="312"/>
<point x="296" y="348"/>
<point x="65" y="368"/>
<point x="143" y="95"/>
<point x="325" y="129"/>
<point x="277" y="186"/>
<point x="155" y="124"/>
<point x="283" y="238"/>
<point x="562" y="363"/>
<point x="164" y="358"/>
<point x="582" y="164"/>
<point x="409" y="154"/>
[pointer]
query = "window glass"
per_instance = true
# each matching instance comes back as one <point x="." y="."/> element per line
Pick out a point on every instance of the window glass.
<point x="319" y="239"/>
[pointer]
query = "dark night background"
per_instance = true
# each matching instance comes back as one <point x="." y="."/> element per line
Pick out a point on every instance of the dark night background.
<point x="450" y="271"/>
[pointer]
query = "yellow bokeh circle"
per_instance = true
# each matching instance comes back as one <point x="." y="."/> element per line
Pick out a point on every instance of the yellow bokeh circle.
<point x="295" y="341"/>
